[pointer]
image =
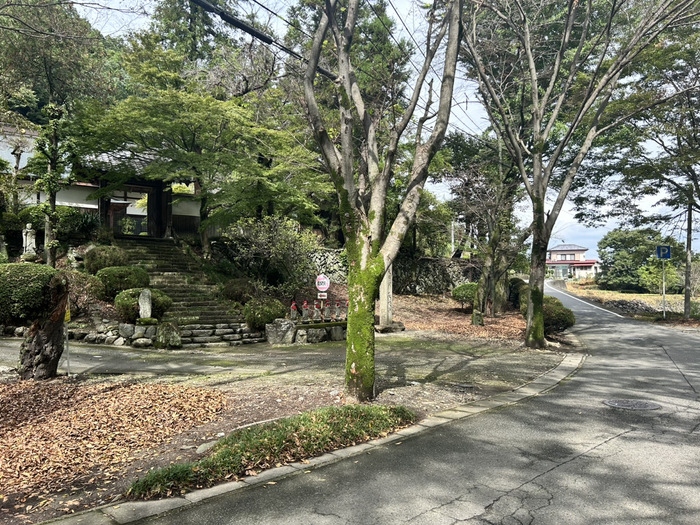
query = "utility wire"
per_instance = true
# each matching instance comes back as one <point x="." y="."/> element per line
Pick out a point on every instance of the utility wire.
<point x="240" y="24"/>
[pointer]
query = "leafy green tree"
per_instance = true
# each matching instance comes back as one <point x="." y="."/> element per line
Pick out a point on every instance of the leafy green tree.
<point x="657" y="153"/>
<point x="486" y="189"/>
<point x="656" y="277"/>
<point x="624" y="252"/>
<point x="549" y="75"/>
<point x="361" y="164"/>
<point x="51" y="58"/>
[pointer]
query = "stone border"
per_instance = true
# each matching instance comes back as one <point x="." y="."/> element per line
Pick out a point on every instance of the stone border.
<point x="132" y="511"/>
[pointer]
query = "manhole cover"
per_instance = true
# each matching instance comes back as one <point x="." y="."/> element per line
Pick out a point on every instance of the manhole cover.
<point x="632" y="404"/>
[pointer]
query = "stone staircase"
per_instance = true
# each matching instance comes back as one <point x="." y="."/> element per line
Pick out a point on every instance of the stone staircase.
<point x="200" y="314"/>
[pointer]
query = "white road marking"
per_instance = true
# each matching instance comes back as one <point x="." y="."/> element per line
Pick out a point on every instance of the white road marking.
<point x="584" y="302"/>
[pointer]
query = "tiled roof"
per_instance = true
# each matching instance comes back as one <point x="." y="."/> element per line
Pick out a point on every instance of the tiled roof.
<point x="567" y="248"/>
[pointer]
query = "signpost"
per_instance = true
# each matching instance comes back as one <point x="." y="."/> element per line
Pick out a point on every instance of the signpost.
<point x="323" y="283"/>
<point x="663" y="253"/>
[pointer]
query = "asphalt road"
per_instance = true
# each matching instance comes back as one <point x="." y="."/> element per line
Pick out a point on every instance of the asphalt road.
<point x="564" y="457"/>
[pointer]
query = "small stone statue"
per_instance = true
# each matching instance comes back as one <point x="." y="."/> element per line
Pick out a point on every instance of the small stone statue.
<point x="327" y="311"/>
<point x="305" y="312"/>
<point x="337" y="310"/>
<point x="317" y="311"/>
<point x="29" y="237"/>
<point x="293" y="312"/>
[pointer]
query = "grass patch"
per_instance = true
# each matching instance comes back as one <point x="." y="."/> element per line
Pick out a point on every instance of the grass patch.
<point x="250" y="450"/>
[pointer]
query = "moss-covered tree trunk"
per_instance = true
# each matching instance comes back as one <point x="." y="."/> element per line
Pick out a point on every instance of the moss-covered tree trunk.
<point x="534" y="335"/>
<point x="50" y="241"/>
<point x="363" y="291"/>
<point x="42" y="348"/>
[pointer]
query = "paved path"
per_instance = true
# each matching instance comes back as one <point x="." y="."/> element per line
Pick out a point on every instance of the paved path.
<point x="560" y="457"/>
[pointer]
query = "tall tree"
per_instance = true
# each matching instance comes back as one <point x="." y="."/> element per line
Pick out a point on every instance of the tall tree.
<point x="361" y="170"/>
<point x="548" y="73"/>
<point x="486" y="187"/>
<point x="624" y="252"/>
<point x="656" y="155"/>
<point x="52" y="53"/>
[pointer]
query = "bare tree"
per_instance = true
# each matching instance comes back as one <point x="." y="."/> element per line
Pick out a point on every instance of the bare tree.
<point x="552" y="77"/>
<point x="361" y="167"/>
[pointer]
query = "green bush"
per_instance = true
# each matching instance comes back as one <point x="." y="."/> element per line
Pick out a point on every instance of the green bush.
<point x="272" y="251"/>
<point x="23" y="291"/>
<point x="127" y="304"/>
<point x="239" y="290"/>
<point x="103" y="257"/>
<point x="465" y="293"/>
<point x="33" y="215"/>
<point x="76" y="224"/>
<point x="118" y="278"/>
<point x="557" y="317"/>
<point x="9" y="222"/>
<point x="261" y="311"/>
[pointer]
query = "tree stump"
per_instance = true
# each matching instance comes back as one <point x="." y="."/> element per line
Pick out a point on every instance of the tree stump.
<point x="43" y="346"/>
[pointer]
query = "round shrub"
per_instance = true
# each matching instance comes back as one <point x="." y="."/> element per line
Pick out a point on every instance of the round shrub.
<point x="239" y="290"/>
<point x="118" y="278"/>
<point x="557" y="317"/>
<point x="103" y="257"/>
<point x="261" y="311"/>
<point x="465" y="293"/>
<point x="33" y="215"/>
<point x="23" y="291"/>
<point x="127" y="304"/>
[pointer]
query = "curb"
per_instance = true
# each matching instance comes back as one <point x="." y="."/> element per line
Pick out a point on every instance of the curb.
<point x="132" y="511"/>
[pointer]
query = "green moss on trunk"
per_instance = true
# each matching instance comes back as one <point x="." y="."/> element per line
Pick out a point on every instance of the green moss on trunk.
<point x="363" y="290"/>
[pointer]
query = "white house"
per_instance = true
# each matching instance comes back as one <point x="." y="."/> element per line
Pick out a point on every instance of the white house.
<point x="568" y="261"/>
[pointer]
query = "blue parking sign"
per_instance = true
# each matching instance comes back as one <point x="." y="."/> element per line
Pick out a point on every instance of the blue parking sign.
<point x="663" y="252"/>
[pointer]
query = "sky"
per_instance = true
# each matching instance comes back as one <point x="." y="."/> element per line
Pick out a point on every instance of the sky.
<point x="468" y="116"/>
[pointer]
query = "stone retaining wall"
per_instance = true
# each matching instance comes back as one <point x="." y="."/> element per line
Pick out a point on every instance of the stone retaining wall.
<point x="287" y="332"/>
<point x="136" y="336"/>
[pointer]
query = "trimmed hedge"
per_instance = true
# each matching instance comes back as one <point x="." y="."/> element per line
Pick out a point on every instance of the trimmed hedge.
<point x="103" y="257"/>
<point x="465" y="293"/>
<point x="261" y="311"/>
<point x="118" y="278"/>
<point x="557" y="317"/>
<point x="23" y="291"/>
<point x="127" y="304"/>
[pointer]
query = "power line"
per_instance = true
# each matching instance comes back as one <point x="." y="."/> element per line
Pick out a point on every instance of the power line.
<point x="240" y="24"/>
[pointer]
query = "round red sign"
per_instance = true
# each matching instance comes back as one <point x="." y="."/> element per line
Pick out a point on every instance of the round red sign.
<point x="322" y="283"/>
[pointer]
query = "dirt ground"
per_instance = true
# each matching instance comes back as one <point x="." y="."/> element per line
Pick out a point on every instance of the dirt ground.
<point x="71" y="444"/>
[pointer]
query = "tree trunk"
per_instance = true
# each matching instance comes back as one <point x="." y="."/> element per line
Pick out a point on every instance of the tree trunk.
<point x="50" y="232"/>
<point x="481" y="298"/>
<point x="534" y="335"/>
<point x="41" y="350"/>
<point x="688" y="263"/>
<point x="363" y="290"/>
<point x="203" y="230"/>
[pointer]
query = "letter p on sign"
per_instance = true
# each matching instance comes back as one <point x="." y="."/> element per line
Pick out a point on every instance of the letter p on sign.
<point x="663" y="252"/>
